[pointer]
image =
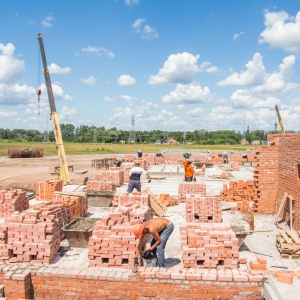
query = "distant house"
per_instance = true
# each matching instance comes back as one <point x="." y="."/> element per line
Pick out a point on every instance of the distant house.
<point x="243" y="142"/>
<point x="158" y="142"/>
<point x="122" y="142"/>
<point x="171" y="141"/>
<point x="255" y="143"/>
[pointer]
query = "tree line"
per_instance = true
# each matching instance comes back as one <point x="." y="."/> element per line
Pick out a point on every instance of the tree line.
<point x="92" y="134"/>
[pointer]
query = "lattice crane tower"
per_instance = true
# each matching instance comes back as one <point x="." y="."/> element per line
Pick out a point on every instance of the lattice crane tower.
<point x="132" y="135"/>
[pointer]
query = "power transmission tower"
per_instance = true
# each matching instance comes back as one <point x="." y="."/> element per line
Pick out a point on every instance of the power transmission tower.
<point x="184" y="138"/>
<point x="132" y="135"/>
<point x="95" y="137"/>
<point x="46" y="134"/>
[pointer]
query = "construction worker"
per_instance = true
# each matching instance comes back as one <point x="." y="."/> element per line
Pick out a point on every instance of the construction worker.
<point x="189" y="173"/>
<point x="225" y="157"/>
<point x="185" y="161"/>
<point x="159" y="154"/>
<point x="160" y="229"/>
<point x="118" y="161"/>
<point x="139" y="153"/>
<point x="135" y="177"/>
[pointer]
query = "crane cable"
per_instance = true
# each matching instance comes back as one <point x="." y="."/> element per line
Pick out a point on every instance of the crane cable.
<point x="38" y="90"/>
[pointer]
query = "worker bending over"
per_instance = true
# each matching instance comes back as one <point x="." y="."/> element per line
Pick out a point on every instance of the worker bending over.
<point x="135" y="174"/>
<point x="160" y="229"/>
<point x="159" y="154"/>
<point x="118" y="161"/>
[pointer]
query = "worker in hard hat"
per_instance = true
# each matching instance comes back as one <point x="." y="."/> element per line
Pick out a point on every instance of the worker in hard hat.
<point x="159" y="154"/>
<point x="139" y="153"/>
<point x="118" y="161"/>
<point x="185" y="161"/>
<point x="160" y="229"/>
<point x="135" y="174"/>
<point x="225" y="157"/>
<point x="189" y="174"/>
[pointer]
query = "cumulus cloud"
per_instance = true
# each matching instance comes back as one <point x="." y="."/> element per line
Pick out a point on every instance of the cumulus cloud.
<point x="58" y="92"/>
<point x="254" y="74"/>
<point x="126" y="80"/>
<point x="7" y="114"/>
<point x="237" y="35"/>
<point x="99" y="51"/>
<point x="179" y="68"/>
<point x="195" y="113"/>
<point x="144" y="31"/>
<point x="131" y="2"/>
<point x="47" y="22"/>
<point x="207" y="67"/>
<point x="67" y="113"/>
<point x="91" y="80"/>
<point x="188" y="93"/>
<point x="55" y="69"/>
<point x="243" y="99"/>
<point x="281" y="31"/>
<point x="107" y="99"/>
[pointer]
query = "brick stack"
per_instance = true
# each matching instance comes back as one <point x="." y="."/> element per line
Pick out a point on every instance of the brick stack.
<point x="167" y="200"/>
<point x="266" y="179"/>
<point x="203" y="209"/>
<point x="126" y="168"/>
<point x="258" y="265"/>
<point x="209" y="245"/>
<point x="44" y="190"/>
<point x="130" y="198"/>
<point x="33" y="236"/>
<point x="77" y="205"/>
<point x="116" y="177"/>
<point x="129" y="158"/>
<point x="242" y="192"/>
<point x="98" y="186"/>
<point x="112" y="243"/>
<point x="190" y="188"/>
<point x="235" y="166"/>
<point x="11" y="201"/>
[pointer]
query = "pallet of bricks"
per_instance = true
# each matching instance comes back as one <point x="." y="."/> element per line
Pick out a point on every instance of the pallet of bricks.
<point x="242" y="192"/>
<point x="288" y="243"/>
<point x="99" y="186"/>
<point x="44" y="190"/>
<point x="11" y="201"/>
<point x="32" y="236"/>
<point x="190" y="188"/>
<point x="209" y="245"/>
<point x="112" y="243"/>
<point x="115" y="176"/>
<point x="120" y="199"/>
<point x="203" y="208"/>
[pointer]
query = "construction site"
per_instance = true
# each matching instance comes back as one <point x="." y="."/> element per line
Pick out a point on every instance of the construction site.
<point x="236" y="228"/>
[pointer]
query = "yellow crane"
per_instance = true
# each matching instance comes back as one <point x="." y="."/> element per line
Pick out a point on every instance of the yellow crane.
<point x="279" y="120"/>
<point x="63" y="165"/>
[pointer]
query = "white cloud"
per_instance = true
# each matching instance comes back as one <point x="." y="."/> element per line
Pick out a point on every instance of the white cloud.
<point x="179" y="68"/>
<point x="67" y="113"/>
<point x="145" y="32"/>
<point x="58" y="92"/>
<point x="107" y="99"/>
<point x="126" y="80"/>
<point x="243" y="99"/>
<point x="7" y="114"/>
<point x="91" y="80"/>
<point x="131" y="2"/>
<point x="207" y="67"/>
<point x="99" y="51"/>
<point x="11" y="69"/>
<point x="188" y="93"/>
<point x="237" y="35"/>
<point x="281" y="31"/>
<point x="122" y="113"/>
<point x="55" y="69"/>
<point x="254" y="74"/>
<point x="47" y="22"/>
<point x="196" y="112"/>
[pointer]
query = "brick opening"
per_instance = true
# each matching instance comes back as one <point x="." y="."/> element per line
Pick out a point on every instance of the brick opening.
<point x="200" y="262"/>
<point x="196" y="217"/>
<point x="105" y="260"/>
<point x="125" y="261"/>
<point x="220" y="263"/>
<point x="210" y="218"/>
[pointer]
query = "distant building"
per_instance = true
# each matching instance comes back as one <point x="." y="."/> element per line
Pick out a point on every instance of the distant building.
<point x="158" y="142"/>
<point x="255" y="143"/>
<point x="244" y="142"/>
<point x="171" y="141"/>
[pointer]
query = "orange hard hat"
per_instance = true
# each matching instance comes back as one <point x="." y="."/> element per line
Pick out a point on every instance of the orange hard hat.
<point x="138" y="230"/>
<point x="137" y="162"/>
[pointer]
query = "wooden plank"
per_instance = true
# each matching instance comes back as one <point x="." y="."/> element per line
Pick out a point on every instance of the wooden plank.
<point x="285" y="236"/>
<point x="76" y="194"/>
<point x="283" y="200"/>
<point x="156" y="207"/>
<point x="294" y="235"/>
<point x="291" y="212"/>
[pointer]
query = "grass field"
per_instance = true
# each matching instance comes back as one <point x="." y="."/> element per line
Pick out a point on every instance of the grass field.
<point x="89" y="148"/>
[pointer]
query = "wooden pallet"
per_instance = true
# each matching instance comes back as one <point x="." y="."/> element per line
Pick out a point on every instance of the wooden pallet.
<point x="288" y="244"/>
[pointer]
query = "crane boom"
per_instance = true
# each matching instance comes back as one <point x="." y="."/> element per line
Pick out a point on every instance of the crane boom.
<point x="279" y="120"/>
<point x="64" y="169"/>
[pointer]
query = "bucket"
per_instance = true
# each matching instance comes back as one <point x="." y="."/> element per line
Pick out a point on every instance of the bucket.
<point x="152" y="262"/>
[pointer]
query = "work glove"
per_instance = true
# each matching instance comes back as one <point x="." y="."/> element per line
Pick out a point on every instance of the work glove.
<point x="148" y="254"/>
<point x="136" y="261"/>
<point x="149" y="180"/>
<point x="194" y="179"/>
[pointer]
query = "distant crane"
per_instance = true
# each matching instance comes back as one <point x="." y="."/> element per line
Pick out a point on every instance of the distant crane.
<point x="279" y="120"/>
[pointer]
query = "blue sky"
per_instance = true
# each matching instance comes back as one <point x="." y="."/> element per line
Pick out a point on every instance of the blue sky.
<point x="172" y="65"/>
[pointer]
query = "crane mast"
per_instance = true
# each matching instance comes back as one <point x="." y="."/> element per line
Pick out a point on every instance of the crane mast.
<point x="279" y="120"/>
<point x="63" y="165"/>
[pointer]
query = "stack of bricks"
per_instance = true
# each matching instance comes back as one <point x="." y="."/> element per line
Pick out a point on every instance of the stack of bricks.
<point x="209" y="245"/>
<point x="99" y="186"/>
<point x="5" y="254"/>
<point x="112" y="243"/>
<point x="258" y="265"/>
<point x="44" y="190"/>
<point x="33" y="236"/>
<point x="11" y="201"/>
<point x="130" y="198"/>
<point x="126" y="168"/>
<point x="235" y="166"/>
<point x="203" y="209"/>
<point x="77" y="205"/>
<point x="242" y="192"/>
<point x="130" y="158"/>
<point x="167" y="200"/>
<point x="190" y="188"/>
<point x="115" y="176"/>
<point x="266" y="179"/>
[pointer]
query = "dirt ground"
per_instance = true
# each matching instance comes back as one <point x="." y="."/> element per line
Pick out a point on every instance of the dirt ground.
<point x="24" y="173"/>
